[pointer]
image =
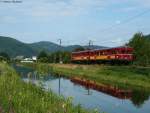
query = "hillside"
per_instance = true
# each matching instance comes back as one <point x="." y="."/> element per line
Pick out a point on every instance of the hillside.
<point x="147" y="36"/>
<point x="14" y="47"/>
<point x="52" y="47"/>
<point x="45" y="46"/>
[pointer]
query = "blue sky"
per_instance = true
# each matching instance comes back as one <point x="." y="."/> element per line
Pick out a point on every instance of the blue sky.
<point x="105" y="22"/>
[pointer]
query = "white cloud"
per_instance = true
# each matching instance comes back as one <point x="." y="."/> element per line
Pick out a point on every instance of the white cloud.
<point x="77" y="7"/>
<point x="41" y="10"/>
<point x="118" y="22"/>
<point x="53" y="8"/>
<point x="144" y="3"/>
<point x="60" y="7"/>
<point x="8" y="19"/>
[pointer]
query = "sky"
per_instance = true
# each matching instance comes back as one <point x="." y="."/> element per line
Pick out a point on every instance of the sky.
<point x="105" y="22"/>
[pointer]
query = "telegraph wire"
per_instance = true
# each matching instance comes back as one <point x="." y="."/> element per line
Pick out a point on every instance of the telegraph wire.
<point x="127" y="20"/>
<point x="117" y="25"/>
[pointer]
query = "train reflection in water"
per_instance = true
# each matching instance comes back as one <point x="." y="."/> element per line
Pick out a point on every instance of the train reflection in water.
<point x="135" y="100"/>
<point x="113" y="91"/>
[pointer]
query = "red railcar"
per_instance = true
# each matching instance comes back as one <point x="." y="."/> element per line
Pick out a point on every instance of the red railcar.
<point x="109" y="54"/>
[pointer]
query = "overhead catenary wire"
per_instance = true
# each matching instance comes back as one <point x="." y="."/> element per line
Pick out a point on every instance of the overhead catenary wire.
<point x="132" y="18"/>
<point x="127" y="20"/>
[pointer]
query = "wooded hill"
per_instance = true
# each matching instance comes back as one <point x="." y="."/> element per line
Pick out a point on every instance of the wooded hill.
<point x="15" y="48"/>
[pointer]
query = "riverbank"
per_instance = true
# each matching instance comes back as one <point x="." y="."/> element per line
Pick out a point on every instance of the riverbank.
<point x="131" y="77"/>
<point x="19" y="97"/>
<point x="114" y="75"/>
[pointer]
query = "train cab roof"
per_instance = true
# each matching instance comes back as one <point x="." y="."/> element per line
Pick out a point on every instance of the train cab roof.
<point x="106" y="49"/>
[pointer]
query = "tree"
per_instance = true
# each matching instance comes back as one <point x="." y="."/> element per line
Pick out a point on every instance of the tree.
<point x="79" y="49"/>
<point x="55" y="57"/>
<point x="141" y="46"/>
<point x="4" y="56"/>
<point x="66" y="57"/>
<point x="43" y="57"/>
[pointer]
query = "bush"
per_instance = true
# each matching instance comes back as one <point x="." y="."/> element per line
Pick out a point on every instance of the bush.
<point x="141" y="45"/>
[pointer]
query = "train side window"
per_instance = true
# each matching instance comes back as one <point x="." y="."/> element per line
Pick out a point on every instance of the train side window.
<point x="99" y="53"/>
<point x="113" y="52"/>
<point x="108" y="52"/>
<point x="103" y="53"/>
<point x="123" y="51"/>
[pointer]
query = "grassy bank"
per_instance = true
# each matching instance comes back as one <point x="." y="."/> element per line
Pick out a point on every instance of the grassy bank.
<point x="19" y="97"/>
<point x="114" y="75"/>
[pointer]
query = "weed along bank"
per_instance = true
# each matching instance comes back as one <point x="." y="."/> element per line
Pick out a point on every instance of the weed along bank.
<point x="32" y="99"/>
<point x="74" y="56"/>
<point x="85" y="86"/>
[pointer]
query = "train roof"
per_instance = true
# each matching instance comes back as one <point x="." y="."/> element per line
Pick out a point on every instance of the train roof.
<point x="111" y="48"/>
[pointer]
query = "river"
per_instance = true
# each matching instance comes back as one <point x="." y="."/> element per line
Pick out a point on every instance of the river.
<point x="139" y="102"/>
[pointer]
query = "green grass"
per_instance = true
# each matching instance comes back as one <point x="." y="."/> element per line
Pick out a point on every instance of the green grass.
<point x="115" y="75"/>
<point x="20" y="97"/>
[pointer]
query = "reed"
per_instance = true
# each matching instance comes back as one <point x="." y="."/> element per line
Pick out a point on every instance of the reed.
<point x="114" y="75"/>
<point x="17" y="96"/>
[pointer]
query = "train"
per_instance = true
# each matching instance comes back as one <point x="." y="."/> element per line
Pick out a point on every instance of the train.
<point x="112" y="55"/>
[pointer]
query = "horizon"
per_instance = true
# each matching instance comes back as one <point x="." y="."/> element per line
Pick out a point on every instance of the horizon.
<point x="48" y="42"/>
<point x="106" y="23"/>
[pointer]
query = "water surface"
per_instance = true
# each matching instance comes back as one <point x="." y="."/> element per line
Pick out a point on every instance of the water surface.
<point x="89" y="98"/>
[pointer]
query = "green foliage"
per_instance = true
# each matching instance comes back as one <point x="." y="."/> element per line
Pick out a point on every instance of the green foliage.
<point x="58" y="56"/>
<point x="79" y="49"/>
<point x="43" y="57"/>
<point x="5" y="56"/>
<point x="134" y="78"/>
<point x="14" y="47"/>
<point x="43" y="69"/>
<point x="141" y="45"/>
<point x="55" y="57"/>
<point x="52" y="47"/>
<point x="114" y="75"/>
<point x="46" y="46"/>
<point x="2" y="59"/>
<point x="19" y="97"/>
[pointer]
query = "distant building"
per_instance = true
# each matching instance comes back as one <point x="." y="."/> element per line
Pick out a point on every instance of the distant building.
<point x="29" y="60"/>
<point x="19" y="57"/>
<point x="34" y="58"/>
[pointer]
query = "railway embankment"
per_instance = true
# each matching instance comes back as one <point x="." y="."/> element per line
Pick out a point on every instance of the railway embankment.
<point x="122" y="76"/>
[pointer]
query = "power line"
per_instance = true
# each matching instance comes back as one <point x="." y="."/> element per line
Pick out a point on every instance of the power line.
<point x="125" y="21"/>
<point x="128" y="20"/>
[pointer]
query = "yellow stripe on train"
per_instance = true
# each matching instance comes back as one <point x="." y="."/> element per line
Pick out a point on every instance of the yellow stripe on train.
<point x="102" y="57"/>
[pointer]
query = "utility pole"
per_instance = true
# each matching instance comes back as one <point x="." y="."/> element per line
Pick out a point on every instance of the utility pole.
<point x="59" y="85"/>
<point x="90" y="44"/>
<point x="60" y="57"/>
<point x="60" y="61"/>
<point x="60" y="41"/>
<point x="54" y="58"/>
